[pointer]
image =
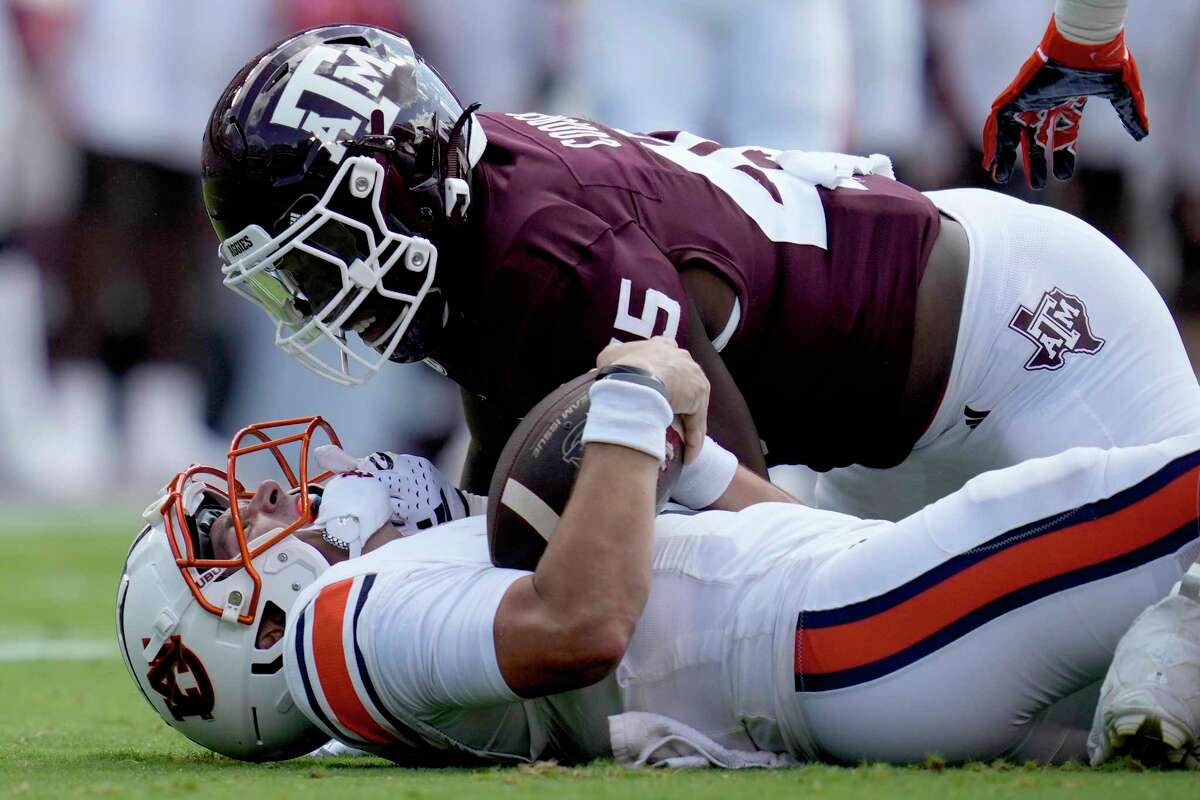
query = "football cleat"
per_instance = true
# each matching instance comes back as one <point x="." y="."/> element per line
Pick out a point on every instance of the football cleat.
<point x="1149" y="705"/>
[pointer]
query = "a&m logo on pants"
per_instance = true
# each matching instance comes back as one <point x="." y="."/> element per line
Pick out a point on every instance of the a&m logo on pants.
<point x="1059" y="325"/>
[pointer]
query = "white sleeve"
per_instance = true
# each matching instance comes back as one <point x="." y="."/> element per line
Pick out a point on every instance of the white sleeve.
<point x="1090" y="21"/>
<point x="433" y="637"/>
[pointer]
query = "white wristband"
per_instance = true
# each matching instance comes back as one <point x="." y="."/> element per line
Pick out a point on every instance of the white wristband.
<point x="476" y="503"/>
<point x="1090" y="22"/>
<point x="628" y="414"/>
<point x="705" y="479"/>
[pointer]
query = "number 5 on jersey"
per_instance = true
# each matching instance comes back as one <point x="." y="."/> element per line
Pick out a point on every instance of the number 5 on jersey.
<point x="643" y="324"/>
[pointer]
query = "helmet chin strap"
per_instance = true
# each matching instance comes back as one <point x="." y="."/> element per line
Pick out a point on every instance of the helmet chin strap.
<point x="377" y="132"/>
<point x="343" y="356"/>
<point x="457" y="190"/>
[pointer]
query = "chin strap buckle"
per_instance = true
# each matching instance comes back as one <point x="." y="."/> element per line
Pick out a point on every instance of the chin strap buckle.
<point x="233" y="607"/>
<point x="457" y="190"/>
<point x="164" y="625"/>
<point x="455" y="187"/>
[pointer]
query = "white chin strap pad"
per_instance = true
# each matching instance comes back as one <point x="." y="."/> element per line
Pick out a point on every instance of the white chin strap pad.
<point x="353" y="506"/>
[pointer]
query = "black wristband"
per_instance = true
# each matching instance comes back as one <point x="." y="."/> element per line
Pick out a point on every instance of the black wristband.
<point x="624" y="372"/>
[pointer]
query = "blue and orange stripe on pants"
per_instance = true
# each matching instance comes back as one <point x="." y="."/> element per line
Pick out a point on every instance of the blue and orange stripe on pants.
<point x="334" y="656"/>
<point x="856" y="643"/>
<point x="329" y="655"/>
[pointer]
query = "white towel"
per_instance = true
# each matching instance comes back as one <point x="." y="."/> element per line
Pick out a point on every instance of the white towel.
<point x="834" y="170"/>
<point x="335" y="749"/>
<point x="641" y="739"/>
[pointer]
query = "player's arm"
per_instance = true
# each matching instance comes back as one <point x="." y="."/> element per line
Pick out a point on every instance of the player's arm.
<point x="489" y="428"/>
<point x="747" y="489"/>
<point x="715" y="480"/>
<point x="414" y="494"/>
<point x="1081" y="55"/>
<point x="649" y="296"/>
<point x="729" y="418"/>
<point x="568" y="625"/>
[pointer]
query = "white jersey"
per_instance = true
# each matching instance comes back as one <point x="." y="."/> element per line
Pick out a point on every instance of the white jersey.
<point x="394" y="651"/>
<point x="973" y="628"/>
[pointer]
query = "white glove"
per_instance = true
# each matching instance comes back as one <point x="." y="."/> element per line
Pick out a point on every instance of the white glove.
<point x="353" y="506"/>
<point x="420" y="496"/>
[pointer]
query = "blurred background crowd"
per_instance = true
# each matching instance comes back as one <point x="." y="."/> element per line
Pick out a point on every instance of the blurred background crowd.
<point x="122" y="358"/>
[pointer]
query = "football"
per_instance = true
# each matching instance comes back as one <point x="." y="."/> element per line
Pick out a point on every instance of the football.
<point x="537" y="469"/>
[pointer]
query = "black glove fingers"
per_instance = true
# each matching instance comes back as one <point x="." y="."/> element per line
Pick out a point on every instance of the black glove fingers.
<point x="1127" y="111"/>
<point x="1008" y="138"/>
<point x="1064" y="163"/>
<point x="1035" y="159"/>
<point x="1065" y="133"/>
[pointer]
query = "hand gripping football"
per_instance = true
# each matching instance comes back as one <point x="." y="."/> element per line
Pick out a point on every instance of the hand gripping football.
<point x="537" y="469"/>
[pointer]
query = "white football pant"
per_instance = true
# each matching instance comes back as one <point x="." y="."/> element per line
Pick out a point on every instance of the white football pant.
<point x="981" y="626"/>
<point x="1063" y="343"/>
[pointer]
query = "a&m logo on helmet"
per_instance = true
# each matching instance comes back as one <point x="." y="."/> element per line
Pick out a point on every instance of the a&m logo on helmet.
<point x="177" y="674"/>
<point x="345" y="86"/>
<point x="1058" y="325"/>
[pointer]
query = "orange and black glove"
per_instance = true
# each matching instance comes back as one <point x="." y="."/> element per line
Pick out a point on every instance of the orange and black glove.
<point x="1041" y="108"/>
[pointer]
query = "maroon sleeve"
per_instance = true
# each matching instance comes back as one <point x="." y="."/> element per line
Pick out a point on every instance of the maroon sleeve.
<point x="566" y="298"/>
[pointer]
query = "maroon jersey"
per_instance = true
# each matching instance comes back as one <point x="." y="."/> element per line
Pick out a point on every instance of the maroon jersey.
<point x="583" y="230"/>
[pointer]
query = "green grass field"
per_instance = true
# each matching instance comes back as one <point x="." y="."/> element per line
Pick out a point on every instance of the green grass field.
<point x="76" y="727"/>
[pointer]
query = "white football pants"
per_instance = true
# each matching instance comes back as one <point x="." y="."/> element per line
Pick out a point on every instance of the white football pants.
<point x="980" y="626"/>
<point x="1063" y="343"/>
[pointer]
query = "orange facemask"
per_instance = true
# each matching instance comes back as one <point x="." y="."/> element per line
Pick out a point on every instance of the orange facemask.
<point x="181" y="491"/>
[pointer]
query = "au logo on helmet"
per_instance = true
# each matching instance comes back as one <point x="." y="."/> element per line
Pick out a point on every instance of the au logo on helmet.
<point x="177" y="674"/>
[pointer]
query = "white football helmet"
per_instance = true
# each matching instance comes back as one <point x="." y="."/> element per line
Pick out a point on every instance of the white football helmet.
<point x="188" y="623"/>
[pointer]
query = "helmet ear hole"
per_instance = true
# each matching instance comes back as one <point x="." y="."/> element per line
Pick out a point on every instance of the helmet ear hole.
<point x="270" y="627"/>
<point x="200" y="524"/>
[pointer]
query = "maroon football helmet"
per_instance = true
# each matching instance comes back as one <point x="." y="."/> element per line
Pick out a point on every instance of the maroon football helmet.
<point x="334" y="166"/>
